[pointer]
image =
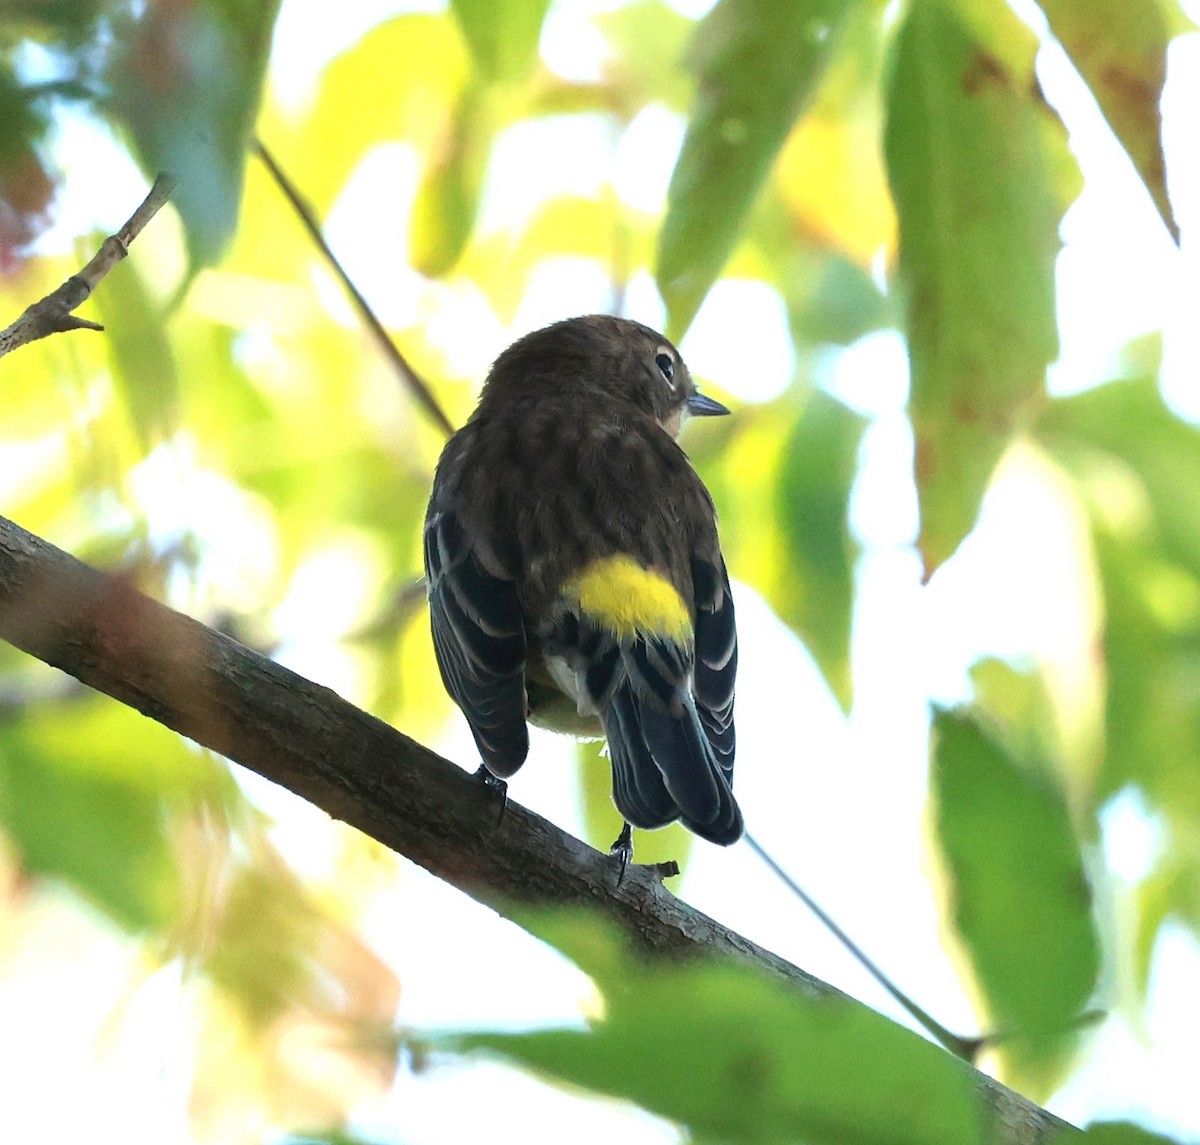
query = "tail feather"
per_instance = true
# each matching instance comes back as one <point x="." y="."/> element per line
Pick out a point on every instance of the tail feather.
<point x="671" y="752"/>
<point x="663" y="768"/>
<point x="638" y="788"/>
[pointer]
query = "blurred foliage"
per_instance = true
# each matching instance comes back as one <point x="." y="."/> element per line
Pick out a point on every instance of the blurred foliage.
<point x="236" y="446"/>
<point x="1019" y="895"/>
<point x="757" y="63"/>
<point x="975" y="159"/>
<point x="1121" y="1133"/>
<point x="1122" y="53"/>
<point x="778" y="1064"/>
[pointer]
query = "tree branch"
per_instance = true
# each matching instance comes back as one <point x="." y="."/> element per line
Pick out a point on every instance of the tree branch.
<point x="100" y="629"/>
<point x="54" y="313"/>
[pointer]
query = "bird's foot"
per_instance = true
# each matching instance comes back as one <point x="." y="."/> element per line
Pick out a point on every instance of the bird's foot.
<point x="622" y="850"/>
<point x="496" y="784"/>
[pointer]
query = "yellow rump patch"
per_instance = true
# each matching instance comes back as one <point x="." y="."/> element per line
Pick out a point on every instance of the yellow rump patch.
<point x="630" y="599"/>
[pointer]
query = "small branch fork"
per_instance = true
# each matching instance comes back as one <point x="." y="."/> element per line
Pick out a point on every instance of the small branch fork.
<point x="54" y="314"/>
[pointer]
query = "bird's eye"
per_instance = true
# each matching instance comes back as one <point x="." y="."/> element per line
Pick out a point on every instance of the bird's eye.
<point x="666" y="364"/>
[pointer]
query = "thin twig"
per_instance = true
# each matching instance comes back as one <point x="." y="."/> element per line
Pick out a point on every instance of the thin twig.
<point x="965" y="1048"/>
<point x="53" y="314"/>
<point x="399" y="363"/>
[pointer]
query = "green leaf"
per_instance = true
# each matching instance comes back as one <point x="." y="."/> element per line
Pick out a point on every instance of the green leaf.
<point x="1126" y="426"/>
<point x="186" y="82"/>
<point x="502" y="38"/>
<point x="647" y="39"/>
<point x="50" y="20"/>
<point x="1138" y="469"/>
<point x="1123" y="1133"/>
<point x="140" y="353"/>
<point x="1021" y="703"/>
<point x="1019" y="894"/>
<point x="757" y="63"/>
<point x="268" y="930"/>
<point x="98" y="828"/>
<point x="830" y="299"/>
<point x="1120" y="50"/>
<point x="1152" y="653"/>
<point x="737" y="1056"/>
<point x="978" y="167"/>
<point x="1171" y="890"/>
<point x="325" y="146"/>
<point x="447" y="200"/>
<point x="814" y="592"/>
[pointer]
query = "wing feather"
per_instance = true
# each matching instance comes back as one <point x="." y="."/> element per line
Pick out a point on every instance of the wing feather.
<point x="716" y="657"/>
<point x="479" y="638"/>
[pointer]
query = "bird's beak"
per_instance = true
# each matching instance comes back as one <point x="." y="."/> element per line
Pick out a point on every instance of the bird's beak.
<point x="699" y="405"/>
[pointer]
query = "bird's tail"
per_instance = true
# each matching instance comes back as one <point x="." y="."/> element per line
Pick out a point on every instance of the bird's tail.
<point x="664" y="767"/>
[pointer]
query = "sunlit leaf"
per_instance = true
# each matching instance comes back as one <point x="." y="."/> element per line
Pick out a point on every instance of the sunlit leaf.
<point x="1123" y="1133"/>
<point x="814" y="591"/>
<point x="1152" y="656"/>
<point x="1019" y="702"/>
<point x="1138" y="467"/>
<point x="976" y="161"/>
<point x="831" y="171"/>
<point x="1126" y="426"/>
<point x="1171" y="890"/>
<point x="1121" y="51"/>
<point x="400" y="82"/>
<point x="99" y="829"/>
<point x="736" y="1056"/>
<point x="1020" y="898"/>
<point x="326" y="1050"/>
<point x="297" y="1010"/>
<point x="443" y="214"/>
<point x="757" y="63"/>
<point x="186" y="83"/>
<point x="140" y="353"/>
<point x="503" y="38"/>
<point x="830" y="298"/>
<point x="566" y="225"/>
<point x="648" y="39"/>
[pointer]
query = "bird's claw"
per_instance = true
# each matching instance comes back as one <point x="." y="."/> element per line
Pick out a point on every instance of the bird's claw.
<point x="496" y="784"/>
<point x="622" y="849"/>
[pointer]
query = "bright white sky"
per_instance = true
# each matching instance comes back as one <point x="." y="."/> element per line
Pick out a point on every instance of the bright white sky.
<point x="863" y="858"/>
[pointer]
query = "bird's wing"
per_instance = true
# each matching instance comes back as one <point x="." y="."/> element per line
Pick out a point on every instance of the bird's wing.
<point x="716" y="657"/>
<point x="479" y="638"/>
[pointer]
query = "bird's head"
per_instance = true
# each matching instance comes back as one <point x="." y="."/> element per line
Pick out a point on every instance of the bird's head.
<point x="612" y="363"/>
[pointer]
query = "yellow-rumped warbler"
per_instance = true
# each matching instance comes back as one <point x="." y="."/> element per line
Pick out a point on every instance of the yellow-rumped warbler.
<point x="575" y="575"/>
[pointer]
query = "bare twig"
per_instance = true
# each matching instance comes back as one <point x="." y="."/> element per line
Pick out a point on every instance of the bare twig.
<point x="101" y="630"/>
<point x="54" y="313"/>
<point x="965" y="1048"/>
<point x="399" y="363"/>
